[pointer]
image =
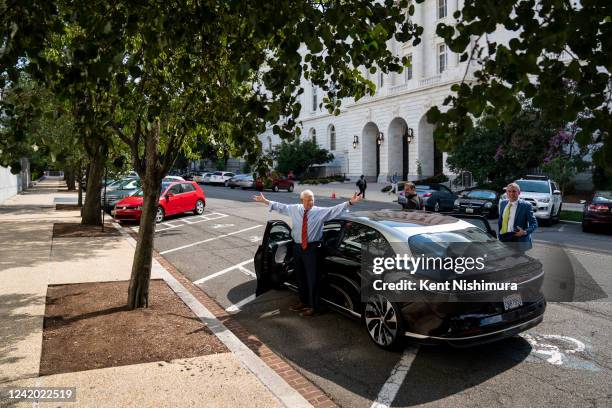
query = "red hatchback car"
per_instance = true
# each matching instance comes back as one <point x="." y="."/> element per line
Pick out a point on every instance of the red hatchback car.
<point x="175" y="198"/>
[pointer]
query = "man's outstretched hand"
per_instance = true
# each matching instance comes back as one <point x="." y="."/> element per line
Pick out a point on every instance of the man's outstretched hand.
<point x="261" y="199"/>
<point x="356" y="198"/>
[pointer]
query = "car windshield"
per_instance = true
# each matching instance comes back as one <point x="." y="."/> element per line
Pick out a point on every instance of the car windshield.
<point x="532" y="186"/>
<point x="217" y="173"/>
<point x="468" y="242"/>
<point x="422" y="187"/>
<point x="481" y="195"/>
<point x="139" y="193"/>
<point x="603" y="196"/>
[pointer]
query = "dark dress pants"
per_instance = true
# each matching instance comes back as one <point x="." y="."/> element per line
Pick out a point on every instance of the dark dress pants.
<point x="306" y="273"/>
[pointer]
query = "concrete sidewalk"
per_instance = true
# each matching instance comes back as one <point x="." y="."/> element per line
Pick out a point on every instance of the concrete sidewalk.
<point x="30" y="260"/>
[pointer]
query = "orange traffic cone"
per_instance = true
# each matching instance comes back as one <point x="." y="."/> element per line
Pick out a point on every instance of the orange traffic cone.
<point x="333" y="196"/>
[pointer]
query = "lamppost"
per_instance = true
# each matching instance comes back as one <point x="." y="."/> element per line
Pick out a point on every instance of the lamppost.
<point x="407" y="139"/>
<point x="355" y="141"/>
<point x="380" y="138"/>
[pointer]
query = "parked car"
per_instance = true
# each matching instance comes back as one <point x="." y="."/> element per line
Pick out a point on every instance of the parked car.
<point x="544" y="196"/>
<point x="170" y="179"/>
<point x="175" y="198"/>
<point x="597" y="211"/>
<point x="436" y="197"/>
<point x="199" y="177"/>
<point x="433" y="319"/>
<point x="243" y="181"/>
<point x="126" y="188"/>
<point x="221" y="177"/>
<point x="274" y="183"/>
<point x="478" y="201"/>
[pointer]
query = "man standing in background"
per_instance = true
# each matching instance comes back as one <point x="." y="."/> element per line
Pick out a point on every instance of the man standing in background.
<point x="516" y="221"/>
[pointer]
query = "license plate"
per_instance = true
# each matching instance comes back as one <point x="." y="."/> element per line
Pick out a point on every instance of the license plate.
<point x="513" y="301"/>
<point x="469" y="210"/>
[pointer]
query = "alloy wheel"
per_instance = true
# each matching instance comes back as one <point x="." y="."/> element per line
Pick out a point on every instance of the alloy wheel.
<point x="381" y="321"/>
<point x="437" y="206"/>
<point x="159" y="215"/>
<point x="199" y="207"/>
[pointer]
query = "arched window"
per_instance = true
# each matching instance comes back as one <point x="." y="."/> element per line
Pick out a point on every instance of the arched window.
<point x="313" y="135"/>
<point x="315" y="98"/>
<point x="332" y="138"/>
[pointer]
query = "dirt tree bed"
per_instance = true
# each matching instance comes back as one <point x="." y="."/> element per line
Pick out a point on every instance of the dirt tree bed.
<point x="87" y="326"/>
<point x="76" y="230"/>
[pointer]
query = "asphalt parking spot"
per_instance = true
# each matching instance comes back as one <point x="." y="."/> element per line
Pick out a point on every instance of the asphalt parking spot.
<point x="329" y="349"/>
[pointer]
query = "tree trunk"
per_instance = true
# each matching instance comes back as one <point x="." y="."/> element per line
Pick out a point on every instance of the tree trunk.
<point x="70" y="179"/>
<point x="91" y="210"/>
<point x="80" y="183"/>
<point x="138" y="292"/>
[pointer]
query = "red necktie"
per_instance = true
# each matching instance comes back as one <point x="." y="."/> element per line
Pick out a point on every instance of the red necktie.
<point x="305" y="230"/>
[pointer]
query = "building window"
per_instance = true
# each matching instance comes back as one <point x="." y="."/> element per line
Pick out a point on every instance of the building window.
<point x="408" y="69"/>
<point x="442" y="58"/>
<point x="332" y="138"/>
<point x="269" y="143"/>
<point x="313" y="135"/>
<point x="315" y="99"/>
<point x="441" y="9"/>
<point x="381" y="79"/>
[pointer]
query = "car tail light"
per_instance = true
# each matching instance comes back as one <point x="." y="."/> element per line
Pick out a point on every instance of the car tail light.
<point x="427" y="195"/>
<point x="598" y="207"/>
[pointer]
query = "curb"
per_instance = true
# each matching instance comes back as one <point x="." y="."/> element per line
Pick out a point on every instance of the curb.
<point x="221" y="323"/>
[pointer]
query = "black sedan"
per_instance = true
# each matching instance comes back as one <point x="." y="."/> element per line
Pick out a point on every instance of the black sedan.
<point x="478" y="201"/>
<point x="597" y="211"/>
<point x="463" y="318"/>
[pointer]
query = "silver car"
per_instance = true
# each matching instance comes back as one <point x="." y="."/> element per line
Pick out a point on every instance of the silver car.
<point x="122" y="190"/>
<point x="243" y="181"/>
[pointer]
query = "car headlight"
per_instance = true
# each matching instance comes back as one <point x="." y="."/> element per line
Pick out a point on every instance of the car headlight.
<point x="488" y="205"/>
<point x="544" y="200"/>
<point x="457" y="203"/>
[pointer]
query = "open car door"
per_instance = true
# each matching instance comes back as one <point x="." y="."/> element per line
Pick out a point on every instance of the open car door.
<point x="478" y="221"/>
<point x="274" y="257"/>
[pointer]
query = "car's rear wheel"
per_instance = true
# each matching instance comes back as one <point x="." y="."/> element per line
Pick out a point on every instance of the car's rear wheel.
<point x="199" y="208"/>
<point x="159" y="215"/>
<point x="275" y="188"/>
<point x="290" y="188"/>
<point x="383" y="321"/>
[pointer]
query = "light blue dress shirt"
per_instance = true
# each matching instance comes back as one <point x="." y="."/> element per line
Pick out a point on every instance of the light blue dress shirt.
<point x="316" y="218"/>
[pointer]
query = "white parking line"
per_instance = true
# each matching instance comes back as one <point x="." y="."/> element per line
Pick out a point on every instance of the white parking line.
<point x="237" y="306"/>
<point x="389" y="390"/>
<point x="214" y="275"/>
<point x="167" y="225"/>
<point x="208" y="240"/>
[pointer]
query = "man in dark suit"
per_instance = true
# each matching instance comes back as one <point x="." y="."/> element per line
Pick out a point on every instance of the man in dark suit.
<point x="516" y="220"/>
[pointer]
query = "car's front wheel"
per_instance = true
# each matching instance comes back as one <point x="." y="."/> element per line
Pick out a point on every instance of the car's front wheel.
<point x="275" y="188"/>
<point x="383" y="321"/>
<point x="159" y="215"/>
<point x="199" y="208"/>
<point x="290" y="188"/>
<point x="226" y="184"/>
<point x="437" y="206"/>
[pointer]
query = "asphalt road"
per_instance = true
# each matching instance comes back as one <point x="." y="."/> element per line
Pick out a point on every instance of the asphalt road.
<point x="565" y="361"/>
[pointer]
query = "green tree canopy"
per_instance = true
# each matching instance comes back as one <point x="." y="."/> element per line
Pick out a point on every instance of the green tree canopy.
<point x="298" y="156"/>
<point x="558" y="45"/>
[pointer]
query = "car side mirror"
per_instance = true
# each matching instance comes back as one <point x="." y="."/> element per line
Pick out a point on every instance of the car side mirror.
<point x="556" y="192"/>
<point x="169" y="195"/>
<point x="582" y="201"/>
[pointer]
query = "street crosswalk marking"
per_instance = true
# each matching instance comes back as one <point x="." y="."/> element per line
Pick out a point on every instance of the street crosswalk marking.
<point x="209" y="239"/>
<point x="231" y="268"/>
<point x="238" y="306"/>
<point x="167" y="225"/>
